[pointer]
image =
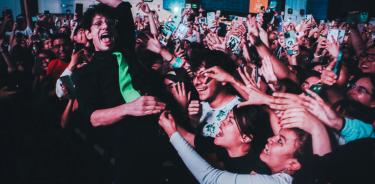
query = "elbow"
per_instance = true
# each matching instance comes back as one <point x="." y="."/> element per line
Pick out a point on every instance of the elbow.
<point x="94" y="120"/>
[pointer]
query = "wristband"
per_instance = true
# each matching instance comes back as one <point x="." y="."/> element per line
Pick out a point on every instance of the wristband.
<point x="178" y="63"/>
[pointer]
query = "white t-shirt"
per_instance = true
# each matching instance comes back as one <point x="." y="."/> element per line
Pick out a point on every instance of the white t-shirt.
<point x="213" y="117"/>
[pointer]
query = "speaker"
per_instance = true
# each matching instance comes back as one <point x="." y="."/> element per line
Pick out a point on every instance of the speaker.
<point x="290" y="11"/>
<point x="79" y="9"/>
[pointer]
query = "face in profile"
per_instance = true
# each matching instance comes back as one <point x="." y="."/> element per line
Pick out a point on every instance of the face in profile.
<point x="102" y="33"/>
<point x="229" y="133"/>
<point x="278" y="153"/>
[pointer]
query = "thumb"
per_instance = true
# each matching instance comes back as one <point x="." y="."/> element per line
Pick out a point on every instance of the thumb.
<point x="242" y="104"/>
<point x="331" y="65"/>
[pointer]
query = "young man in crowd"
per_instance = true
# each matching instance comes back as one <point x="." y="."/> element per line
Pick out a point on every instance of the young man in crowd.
<point x="110" y="93"/>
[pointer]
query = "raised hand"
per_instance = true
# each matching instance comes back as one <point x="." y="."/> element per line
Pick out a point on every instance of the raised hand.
<point x="299" y="117"/>
<point x="143" y="6"/>
<point x="214" y="42"/>
<point x="285" y="101"/>
<point x="255" y="96"/>
<point x="328" y="77"/>
<point x="166" y="121"/>
<point x="268" y="73"/>
<point x="194" y="108"/>
<point x="333" y="48"/>
<point x="180" y="94"/>
<point x="218" y="74"/>
<point x="316" y="106"/>
<point x="144" y="105"/>
<point x="153" y="45"/>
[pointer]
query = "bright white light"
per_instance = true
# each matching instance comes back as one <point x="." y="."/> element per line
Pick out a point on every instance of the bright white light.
<point x="176" y="9"/>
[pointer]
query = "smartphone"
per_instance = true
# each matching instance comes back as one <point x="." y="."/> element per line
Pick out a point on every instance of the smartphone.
<point x="233" y="44"/>
<point x="341" y="35"/>
<point x="308" y="18"/>
<point x="211" y="19"/>
<point x="317" y="88"/>
<point x="290" y="41"/>
<point x="187" y="6"/>
<point x="333" y="34"/>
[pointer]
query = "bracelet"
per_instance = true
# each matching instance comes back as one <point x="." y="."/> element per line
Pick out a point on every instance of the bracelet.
<point x="178" y="63"/>
<point x="171" y="59"/>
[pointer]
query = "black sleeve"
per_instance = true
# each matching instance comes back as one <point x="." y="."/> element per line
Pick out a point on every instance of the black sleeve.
<point x="204" y="144"/>
<point x="125" y="27"/>
<point x="86" y="92"/>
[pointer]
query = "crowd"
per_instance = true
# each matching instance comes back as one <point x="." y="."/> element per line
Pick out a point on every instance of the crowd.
<point x="103" y="97"/>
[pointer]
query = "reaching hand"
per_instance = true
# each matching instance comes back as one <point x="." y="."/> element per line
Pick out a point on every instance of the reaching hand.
<point x="333" y="48"/>
<point x="284" y="101"/>
<point x="268" y="72"/>
<point x="218" y="74"/>
<point x="255" y="96"/>
<point x="316" y="106"/>
<point x="298" y="117"/>
<point x="194" y="108"/>
<point x="143" y="6"/>
<point x="166" y="121"/>
<point x="179" y="93"/>
<point x="153" y="45"/>
<point x="328" y="77"/>
<point x="144" y="105"/>
<point x="214" y="42"/>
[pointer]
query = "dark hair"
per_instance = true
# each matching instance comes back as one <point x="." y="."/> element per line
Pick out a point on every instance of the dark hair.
<point x="61" y="36"/>
<point x="254" y="120"/>
<point x="99" y="9"/>
<point x="211" y="58"/>
<point x="354" y="109"/>
<point x="372" y="80"/>
<point x="304" y="155"/>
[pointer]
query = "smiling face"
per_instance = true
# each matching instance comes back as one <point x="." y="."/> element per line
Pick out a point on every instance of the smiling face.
<point x="207" y="88"/>
<point x="278" y="153"/>
<point x="362" y="91"/>
<point x="101" y="33"/>
<point x="367" y="61"/>
<point x="229" y="133"/>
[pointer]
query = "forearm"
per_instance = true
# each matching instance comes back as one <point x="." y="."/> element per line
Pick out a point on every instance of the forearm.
<point x="153" y="28"/>
<point x="281" y="71"/>
<point x="66" y="114"/>
<point x="109" y="116"/>
<point x="189" y="137"/>
<point x="239" y="87"/>
<point x="320" y="140"/>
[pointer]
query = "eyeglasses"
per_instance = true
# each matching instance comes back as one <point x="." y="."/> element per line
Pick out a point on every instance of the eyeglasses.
<point x="359" y="89"/>
<point x="367" y="57"/>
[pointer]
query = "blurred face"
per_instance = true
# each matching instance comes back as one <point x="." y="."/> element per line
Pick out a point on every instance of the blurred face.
<point x="80" y="37"/>
<point x="362" y="91"/>
<point x="229" y="133"/>
<point x="47" y="44"/>
<point x="44" y="59"/>
<point x="102" y="33"/>
<point x="280" y="149"/>
<point x="367" y="61"/>
<point x="61" y="49"/>
<point x="309" y="82"/>
<point x="207" y="88"/>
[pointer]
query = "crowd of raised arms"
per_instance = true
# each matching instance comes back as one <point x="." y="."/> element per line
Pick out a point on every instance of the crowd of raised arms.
<point x="255" y="99"/>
